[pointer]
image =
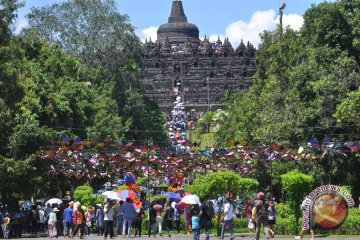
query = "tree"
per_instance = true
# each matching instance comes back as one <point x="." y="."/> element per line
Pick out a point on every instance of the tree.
<point x="348" y="111"/>
<point x="93" y="30"/>
<point x="7" y="16"/>
<point x="296" y="184"/>
<point x="104" y="40"/>
<point x="84" y="194"/>
<point x="218" y="184"/>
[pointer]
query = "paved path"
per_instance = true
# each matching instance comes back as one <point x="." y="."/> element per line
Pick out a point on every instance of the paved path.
<point x="202" y="237"/>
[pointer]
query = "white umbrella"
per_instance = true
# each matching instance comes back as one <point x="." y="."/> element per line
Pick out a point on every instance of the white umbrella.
<point x="191" y="199"/>
<point x="54" y="201"/>
<point x="111" y="195"/>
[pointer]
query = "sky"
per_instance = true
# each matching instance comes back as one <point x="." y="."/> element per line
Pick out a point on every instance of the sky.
<point x="235" y="19"/>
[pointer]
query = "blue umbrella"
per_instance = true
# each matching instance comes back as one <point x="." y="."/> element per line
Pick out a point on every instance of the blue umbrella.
<point x="172" y="195"/>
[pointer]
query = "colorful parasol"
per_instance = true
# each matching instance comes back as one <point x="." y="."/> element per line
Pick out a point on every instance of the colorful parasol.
<point x="172" y="195"/>
<point x="123" y="194"/>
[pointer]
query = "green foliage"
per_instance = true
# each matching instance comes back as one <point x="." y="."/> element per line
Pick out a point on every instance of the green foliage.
<point x="296" y="184"/>
<point x="217" y="184"/>
<point x="105" y="42"/>
<point x="283" y="210"/>
<point x="8" y="14"/>
<point x="93" y="29"/>
<point x="306" y="85"/>
<point x="348" y="111"/>
<point x="286" y="223"/>
<point x="84" y="194"/>
<point x="142" y="181"/>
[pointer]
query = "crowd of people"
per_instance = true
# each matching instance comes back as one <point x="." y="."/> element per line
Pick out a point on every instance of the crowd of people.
<point x="76" y="220"/>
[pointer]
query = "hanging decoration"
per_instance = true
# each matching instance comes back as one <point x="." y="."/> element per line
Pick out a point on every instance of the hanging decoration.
<point x="97" y="158"/>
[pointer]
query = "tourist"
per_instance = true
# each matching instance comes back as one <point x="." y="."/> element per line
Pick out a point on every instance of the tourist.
<point x="211" y="214"/>
<point x="109" y="219"/>
<point x="176" y="216"/>
<point x="260" y="216"/>
<point x="303" y="230"/>
<point x="60" y="219"/>
<point x="1" y="223"/>
<point x="272" y="218"/>
<point x="187" y="220"/>
<point x="89" y="215"/>
<point x="204" y="217"/>
<point x="79" y="221"/>
<point x="99" y="220"/>
<point x="7" y="225"/>
<point x="129" y="214"/>
<point x="41" y="219"/>
<point x="195" y="224"/>
<point x="140" y="213"/>
<point x="68" y="217"/>
<point x="19" y="221"/>
<point x="158" y="209"/>
<point x="169" y="217"/>
<point x="52" y="232"/>
<point x="47" y="211"/>
<point x="119" y="218"/>
<point x="152" y="220"/>
<point x="248" y="215"/>
<point x="228" y="215"/>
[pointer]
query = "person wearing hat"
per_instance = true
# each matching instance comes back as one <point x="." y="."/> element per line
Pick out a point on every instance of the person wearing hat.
<point x="52" y="232"/>
<point x="228" y="217"/>
<point x="261" y="217"/>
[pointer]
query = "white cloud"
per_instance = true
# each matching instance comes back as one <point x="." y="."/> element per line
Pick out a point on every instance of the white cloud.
<point x="248" y="31"/>
<point x="295" y="21"/>
<point x="147" y="33"/>
<point x="260" y="21"/>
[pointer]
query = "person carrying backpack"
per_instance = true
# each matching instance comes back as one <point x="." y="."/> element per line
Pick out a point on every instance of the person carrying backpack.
<point x="169" y="217"/>
<point x="176" y="216"/>
<point x="260" y="216"/>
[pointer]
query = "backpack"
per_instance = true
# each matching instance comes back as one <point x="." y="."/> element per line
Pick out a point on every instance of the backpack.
<point x="34" y="215"/>
<point x="210" y="212"/>
<point x="152" y="215"/>
<point x="170" y="214"/>
<point x="262" y="212"/>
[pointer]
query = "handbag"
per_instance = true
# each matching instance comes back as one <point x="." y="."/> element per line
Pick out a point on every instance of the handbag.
<point x="251" y="224"/>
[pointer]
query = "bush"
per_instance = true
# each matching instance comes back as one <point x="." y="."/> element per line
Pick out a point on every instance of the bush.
<point x="84" y="194"/>
<point x="283" y="210"/>
<point x="286" y="223"/>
